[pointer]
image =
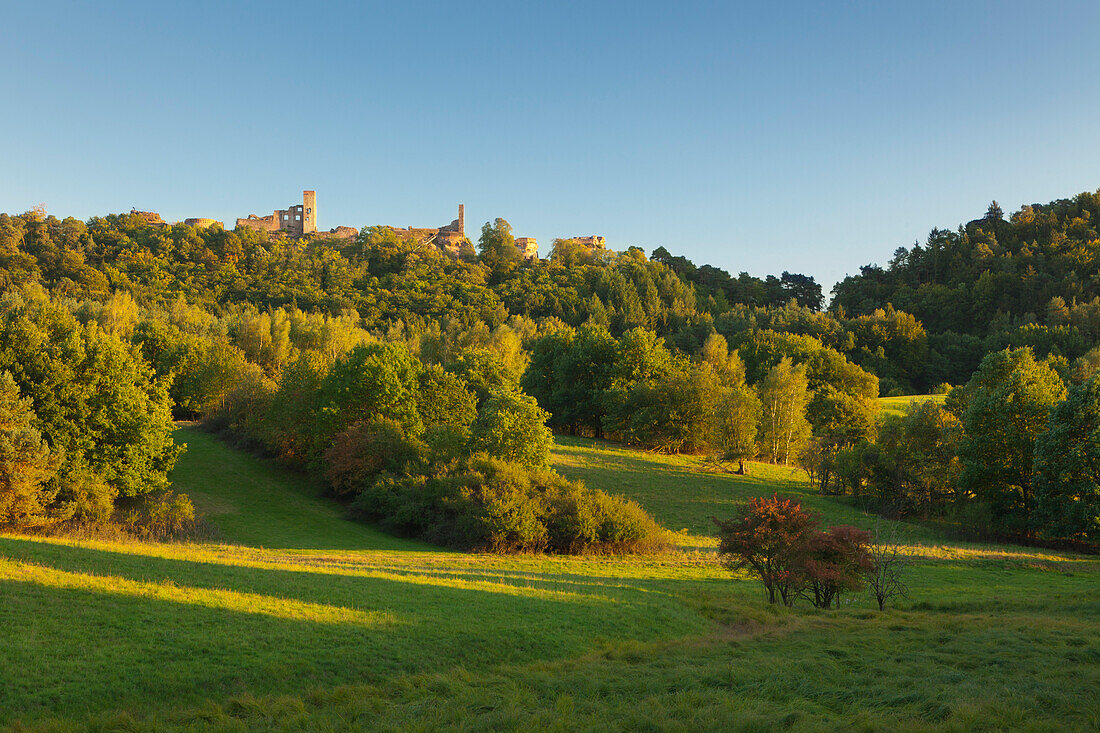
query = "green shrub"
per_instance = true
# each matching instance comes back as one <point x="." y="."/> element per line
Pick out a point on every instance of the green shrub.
<point x="160" y="516"/>
<point x="484" y="503"/>
<point x="366" y="449"/>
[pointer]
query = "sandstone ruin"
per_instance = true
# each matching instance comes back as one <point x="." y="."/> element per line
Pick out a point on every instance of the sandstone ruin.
<point x="528" y="247"/>
<point x="301" y="219"/>
<point x="202" y="222"/>
<point x="295" y="220"/>
<point x="151" y="218"/>
<point x="448" y="238"/>
<point x="154" y="219"/>
<point x="595" y="242"/>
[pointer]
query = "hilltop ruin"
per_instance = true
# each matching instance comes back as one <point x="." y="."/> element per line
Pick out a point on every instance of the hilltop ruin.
<point x="299" y="220"/>
<point x="448" y="238"/>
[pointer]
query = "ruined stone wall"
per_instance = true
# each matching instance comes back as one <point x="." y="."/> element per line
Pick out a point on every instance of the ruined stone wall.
<point x="596" y="242"/>
<point x="528" y="247"/>
<point x="151" y="218"/>
<point x="294" y="220"/>
<point x="309" y="212"/>
<point x="448" y="238"/>
<point x="260" y="223"/>
<point x="202" y="222"/>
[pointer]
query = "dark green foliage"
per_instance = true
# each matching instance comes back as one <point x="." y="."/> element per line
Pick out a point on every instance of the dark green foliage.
<point x="1067" y="468"/>
<point x="483" y="371"/>
<point x="443" y="399"/>
<point x="379" y="381"/>
<point x="240" y="414"/>
<point x="289" y="423"/>
<point x="367" y="449"/>
<point x="497" y="248"/>
<point x="285" y="343"/>
<point x="672" y="412"/>
<point x="919" y="467"/>
<point x="569" y="374"/>
<point x="990" y="273"/>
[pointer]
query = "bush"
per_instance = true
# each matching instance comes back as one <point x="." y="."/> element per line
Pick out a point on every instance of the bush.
<point x="95" y="403"/>
<point x="484" y="503"/>
<point x="511" y="425"/>
<point x="25" y="461"/>
<point x="770" y="539"/>
<point x="359" y="454"/>
<point x="160" y="516"/>
<point x="836" y="560"/>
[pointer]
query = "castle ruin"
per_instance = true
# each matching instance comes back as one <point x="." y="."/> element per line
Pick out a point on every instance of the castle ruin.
<point x="301" y="219"/>
<point x="448" y="238"/>
<point x="528" y="247"/>
<point x="202" y="222"/>
<point x="295" y="220"/>
<point x="151" y="218"/>
<point x="593" y="242"/>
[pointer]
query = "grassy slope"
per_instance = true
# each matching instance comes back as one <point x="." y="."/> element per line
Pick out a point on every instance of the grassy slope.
<point x="897" y="405"/>
<point x="333" y="626"/>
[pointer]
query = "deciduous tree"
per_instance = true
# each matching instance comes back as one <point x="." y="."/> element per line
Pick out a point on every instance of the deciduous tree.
<point x="25" y="461"/>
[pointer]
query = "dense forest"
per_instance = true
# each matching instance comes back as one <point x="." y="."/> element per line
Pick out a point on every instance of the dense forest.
<point x="423" y="386"/>
<point x="1029" y="280"/>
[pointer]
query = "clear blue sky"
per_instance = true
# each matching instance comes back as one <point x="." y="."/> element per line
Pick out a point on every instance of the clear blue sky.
<point x="811" y="137"/>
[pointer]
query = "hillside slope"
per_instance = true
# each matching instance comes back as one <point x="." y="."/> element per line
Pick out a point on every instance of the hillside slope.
<point x="320" y="624"/>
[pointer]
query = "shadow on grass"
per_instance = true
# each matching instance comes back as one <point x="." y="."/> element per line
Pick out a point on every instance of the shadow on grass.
<point x="257" y="502"/>
<point x="80" y="649"/>
<point x="390" y="586"/>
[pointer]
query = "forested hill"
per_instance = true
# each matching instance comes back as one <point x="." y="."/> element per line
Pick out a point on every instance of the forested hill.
<point x="1033" y="278"/>
<point x="386" y="280"/>
<point x="993" y="284"/>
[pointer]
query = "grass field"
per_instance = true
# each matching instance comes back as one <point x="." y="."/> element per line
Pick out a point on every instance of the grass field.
<point x="898" y="405"/>
<point x="303" y="620"/>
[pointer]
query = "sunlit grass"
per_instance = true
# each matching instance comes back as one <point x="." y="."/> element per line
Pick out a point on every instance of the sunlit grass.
<point x="170" y="592"/>
<point x="898" y="405"/>
<point x="684" y="493"/>
<point x="303" y="620"/>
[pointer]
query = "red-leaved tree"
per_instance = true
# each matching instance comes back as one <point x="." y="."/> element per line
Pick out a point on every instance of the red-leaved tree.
<point x="836" y="560"/>
<point x="771" y="538"/>
<point x="782" y="545"/>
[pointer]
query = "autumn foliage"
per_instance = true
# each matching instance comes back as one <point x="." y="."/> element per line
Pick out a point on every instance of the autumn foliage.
<point x="782" y="544"/>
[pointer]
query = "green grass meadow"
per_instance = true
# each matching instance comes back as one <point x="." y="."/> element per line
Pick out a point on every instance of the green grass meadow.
<point x="898" y="405"/>
<point x="298" y="619"/>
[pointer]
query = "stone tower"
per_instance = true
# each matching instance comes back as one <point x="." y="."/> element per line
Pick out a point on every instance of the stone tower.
<point x="309" y="212"/>
<point x="462" y="219"/>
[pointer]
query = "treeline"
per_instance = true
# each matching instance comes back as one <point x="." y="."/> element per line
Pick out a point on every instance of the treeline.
<point x="925" y="320"/>
<point x="1013" y="453"/>
<point x="248" y="332"/>
<point x="764" y="398"/>
<point x="85" y="426"/>
<point x="454" y="454"/>
<point x="1028" y="280"/>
